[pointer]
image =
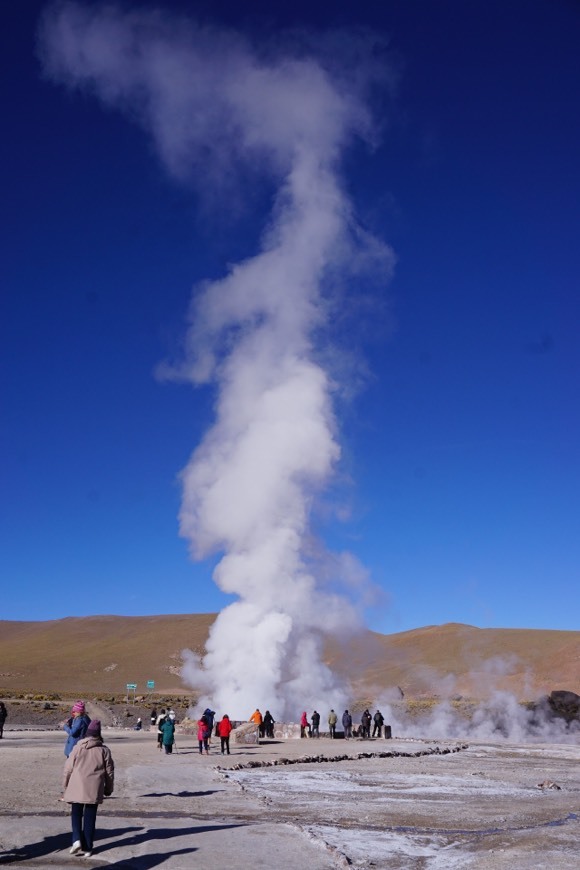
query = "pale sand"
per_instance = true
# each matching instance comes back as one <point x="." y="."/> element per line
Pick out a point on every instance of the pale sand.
<point x="479" y="807"/>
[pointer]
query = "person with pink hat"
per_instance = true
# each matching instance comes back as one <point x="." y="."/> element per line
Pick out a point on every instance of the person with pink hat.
<point x="76" y="726"/>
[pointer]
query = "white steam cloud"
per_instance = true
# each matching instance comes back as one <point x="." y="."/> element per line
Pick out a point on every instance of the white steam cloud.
<point x="215" y="105"/>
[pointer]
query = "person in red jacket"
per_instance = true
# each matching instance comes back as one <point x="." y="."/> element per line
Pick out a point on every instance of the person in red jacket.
<point x="203" y="735"/>
<point x="225" y="728"/>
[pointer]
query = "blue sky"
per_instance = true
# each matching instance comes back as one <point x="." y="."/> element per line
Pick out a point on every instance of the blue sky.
<point x="460" y="461"/>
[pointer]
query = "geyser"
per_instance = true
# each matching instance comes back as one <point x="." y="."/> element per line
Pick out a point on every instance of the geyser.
<point x="214" y="103"/>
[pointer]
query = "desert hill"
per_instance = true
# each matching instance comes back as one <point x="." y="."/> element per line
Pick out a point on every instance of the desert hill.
<point x="101" y="654"/>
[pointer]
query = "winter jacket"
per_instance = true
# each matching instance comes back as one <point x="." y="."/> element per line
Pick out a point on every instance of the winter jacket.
<point x="89" y="772"/>
<point x="256" y="717"/>
<point x="225" y="727"/>
<point x="203" y="731"/>
<point x="76" y="728"/>
<point x="304" y="721"/>
<point x="332" y="718"/>
<point x="346" y="720"/>
<point x="167" y="729"/>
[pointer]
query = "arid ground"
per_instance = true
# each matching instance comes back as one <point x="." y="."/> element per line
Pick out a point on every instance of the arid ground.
<point x="396" y="804"/>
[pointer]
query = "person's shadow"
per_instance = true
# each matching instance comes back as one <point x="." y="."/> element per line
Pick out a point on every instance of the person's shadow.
<point x="49" y="845"/>
<point x="182" y="794"/>
<point x="61" y="843"/>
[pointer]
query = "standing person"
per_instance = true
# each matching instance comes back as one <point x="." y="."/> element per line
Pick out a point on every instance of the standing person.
<point x="268" y="724"/>
<point x="3" y="715"/>
<point x="159" y="722"/>
<point x="210" y="719"/>
<point x="154" y="717"/>
<point x="168" y="735"/>
<point x="203" y="735"/>
<point x="225" y="729"/>
<point x="303" y="724"/>
<point x="365" y="722"/>
<point x="379" y="721"/>
<point x="258" y="720"/>
<point x="332" y="720"/>
<point x="89" y="775"/>
<point x="76" y="726"/>
<point x="347" y="725"/>
<point x="316" y="724"/>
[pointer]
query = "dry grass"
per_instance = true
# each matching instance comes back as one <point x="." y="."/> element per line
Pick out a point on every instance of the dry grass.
<point x="99" y="655"/>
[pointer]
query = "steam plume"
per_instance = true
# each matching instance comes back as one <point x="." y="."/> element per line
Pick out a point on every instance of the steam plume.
<point x="214" y="104"/>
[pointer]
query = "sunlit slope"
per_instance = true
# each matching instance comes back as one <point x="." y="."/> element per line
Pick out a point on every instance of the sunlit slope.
<point x="101" y="654"/>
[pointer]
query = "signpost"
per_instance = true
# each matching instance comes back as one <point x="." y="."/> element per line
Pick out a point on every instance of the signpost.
<point x="131" y="687"/>
<point x="150" y="684"/>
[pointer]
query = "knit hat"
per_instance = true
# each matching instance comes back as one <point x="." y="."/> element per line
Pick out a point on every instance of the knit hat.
<point x="78" y="707"/>
<point x="94" y="729"/>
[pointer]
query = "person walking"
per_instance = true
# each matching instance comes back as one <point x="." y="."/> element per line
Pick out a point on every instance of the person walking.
<point x="379" y="721"/>
<point x="168" y="735"/>
<point x="315" y="724"/>
<point x="76" y="726"/>
<point x="225" y="728"/>
<point x="89" y="776"/>
<point x="332" y="720"/>
<point x="303" y="724"/>
<point x="153" y="717"/>
<point x="3" y="716"/>
<point x="347" y="725"/>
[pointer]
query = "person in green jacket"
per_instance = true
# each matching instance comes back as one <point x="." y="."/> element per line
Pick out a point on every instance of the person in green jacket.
<point x="332" y="720"/>
<point x="167" y="729"/>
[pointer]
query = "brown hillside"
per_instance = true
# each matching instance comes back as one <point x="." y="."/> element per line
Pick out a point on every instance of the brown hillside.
<point x="101" y="654"/>
<point x="461" y="659"/>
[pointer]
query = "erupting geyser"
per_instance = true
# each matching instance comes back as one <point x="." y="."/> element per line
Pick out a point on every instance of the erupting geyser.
<point x="213" y="103"/>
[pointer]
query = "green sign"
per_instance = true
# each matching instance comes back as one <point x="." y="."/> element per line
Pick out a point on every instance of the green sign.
<point x="150" y="684"/>
<point x="131" y="685"/>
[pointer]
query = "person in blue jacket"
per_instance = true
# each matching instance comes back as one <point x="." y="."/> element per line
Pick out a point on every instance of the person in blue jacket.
<point x="76" y="726"/>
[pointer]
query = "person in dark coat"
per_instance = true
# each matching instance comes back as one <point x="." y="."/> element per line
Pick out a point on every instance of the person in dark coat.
<point x="315" y="721"/>
<point x="210" y="719"/>
<point x="3" y="715"/>
<point x="365" y="722"/>
<point x="347" y="725"/>
<point x="268" y="724"/>
<point x="379" y="721"/>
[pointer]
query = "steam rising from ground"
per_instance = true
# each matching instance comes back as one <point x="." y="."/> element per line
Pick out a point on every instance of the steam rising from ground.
<point x="214" y="104"/>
